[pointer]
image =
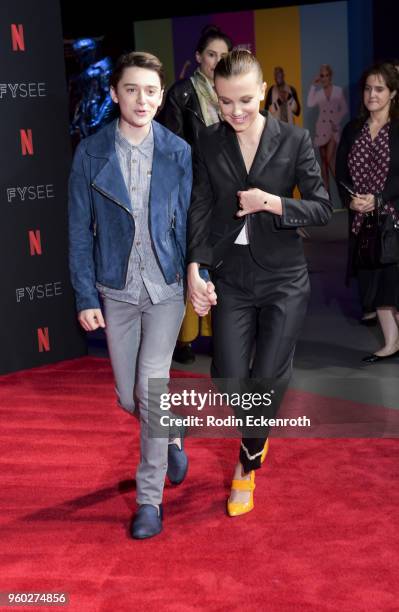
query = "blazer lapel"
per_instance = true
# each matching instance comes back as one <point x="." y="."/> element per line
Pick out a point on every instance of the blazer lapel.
<point x="232" y="155"/>
<point x="230" y="150"/>
<point x="268" y="145"/>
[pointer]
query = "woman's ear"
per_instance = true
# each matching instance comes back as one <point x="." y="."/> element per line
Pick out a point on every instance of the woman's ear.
<point x="198" y="57"/>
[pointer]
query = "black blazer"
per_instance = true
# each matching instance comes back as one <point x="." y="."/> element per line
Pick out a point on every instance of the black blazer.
<point x="181" y="112"/>
<point x="285" y="158"/>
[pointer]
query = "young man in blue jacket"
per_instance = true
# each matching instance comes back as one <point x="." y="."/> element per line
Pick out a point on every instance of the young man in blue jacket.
<point x="130" y="189"/>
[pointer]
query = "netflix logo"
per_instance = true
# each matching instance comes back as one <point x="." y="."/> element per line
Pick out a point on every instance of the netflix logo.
<point x="17" y="37"/>
<point x="35" y="242"/>
<point x="26" y="142"/>
<point x="43" y="339"/>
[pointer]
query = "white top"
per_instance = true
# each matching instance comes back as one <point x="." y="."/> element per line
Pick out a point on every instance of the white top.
<point x="242" y="237"/>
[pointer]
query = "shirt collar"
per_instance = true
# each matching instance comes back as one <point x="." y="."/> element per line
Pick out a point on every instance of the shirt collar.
<point x="145" y="147"/>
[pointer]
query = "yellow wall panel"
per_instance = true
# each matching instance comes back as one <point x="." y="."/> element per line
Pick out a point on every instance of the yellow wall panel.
<point x="277" y="39"/>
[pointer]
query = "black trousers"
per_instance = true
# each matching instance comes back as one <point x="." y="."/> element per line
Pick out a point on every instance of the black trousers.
<point x="256" y="324"/>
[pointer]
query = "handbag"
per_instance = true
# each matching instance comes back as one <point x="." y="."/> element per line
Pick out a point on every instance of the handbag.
<point x="377" y="241"/>
<point x="367" y="252"/>
<point x="389" y="241"/>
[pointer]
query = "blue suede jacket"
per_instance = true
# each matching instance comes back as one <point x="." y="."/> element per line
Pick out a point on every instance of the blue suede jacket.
<point x="101" y="220"/>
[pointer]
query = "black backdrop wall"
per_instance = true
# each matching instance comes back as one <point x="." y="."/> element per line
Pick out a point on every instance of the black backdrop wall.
<point x="37" y="315"/>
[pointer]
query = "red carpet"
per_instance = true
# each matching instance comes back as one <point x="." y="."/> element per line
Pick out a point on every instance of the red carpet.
<point x="324" y="535"/>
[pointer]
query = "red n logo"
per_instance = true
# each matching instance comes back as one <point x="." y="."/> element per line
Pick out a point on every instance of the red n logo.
<point x="26" y="142"/>
<point x="35" y="242"/>
<point x="43" y="339"/>
<point x="17" y="37"/>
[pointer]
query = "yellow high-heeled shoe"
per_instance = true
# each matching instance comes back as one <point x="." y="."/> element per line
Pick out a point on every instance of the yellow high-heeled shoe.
<point x="265" y="451"/>
<point x="237" y="508"/>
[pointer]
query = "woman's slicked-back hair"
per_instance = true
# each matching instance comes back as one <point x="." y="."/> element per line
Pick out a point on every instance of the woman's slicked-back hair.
<point x="238" y="62"/>
<point x="390" y="75"/>
<point x="138" y="59"/>
<point x="209" y="34"/>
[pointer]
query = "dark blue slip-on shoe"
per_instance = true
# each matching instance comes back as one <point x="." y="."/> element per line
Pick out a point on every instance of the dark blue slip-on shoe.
<point x="147" y="522"/>
<point x="177" y="463"/>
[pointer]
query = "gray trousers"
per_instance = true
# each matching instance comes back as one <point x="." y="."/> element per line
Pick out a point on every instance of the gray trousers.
<point x="141" y="339"/>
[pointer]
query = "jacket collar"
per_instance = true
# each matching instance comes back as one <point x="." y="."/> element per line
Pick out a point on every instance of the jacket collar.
<point x="102" y="144"/>
<point x="145" y="148"/>
<point x="268" y="145"/>
<point x="109" y="179"/>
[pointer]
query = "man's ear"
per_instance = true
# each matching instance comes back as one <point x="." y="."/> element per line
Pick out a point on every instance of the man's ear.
<point x="113" y="95"/>
<point x="161" y="95"/>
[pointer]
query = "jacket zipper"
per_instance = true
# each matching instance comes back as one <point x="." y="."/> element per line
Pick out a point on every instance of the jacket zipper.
<point x="172" y="222"/>
<point x="196" y="115"/>
<point x="173" y="238"/>
<point x="104" y="193"/>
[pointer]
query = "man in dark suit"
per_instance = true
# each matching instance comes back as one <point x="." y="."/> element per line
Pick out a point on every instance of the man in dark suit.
<point x="243" y="224"/>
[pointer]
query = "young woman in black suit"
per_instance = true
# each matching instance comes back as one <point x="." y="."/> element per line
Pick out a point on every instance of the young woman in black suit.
<point x="242" y="227"/>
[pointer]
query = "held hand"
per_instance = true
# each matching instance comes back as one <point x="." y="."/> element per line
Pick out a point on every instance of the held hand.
<point x="91" y="319"/>
<point x="210" y="287"/>
<point x="201" y="294"/>
<point x="363" y="203"/>
<point x="255" y="200"/>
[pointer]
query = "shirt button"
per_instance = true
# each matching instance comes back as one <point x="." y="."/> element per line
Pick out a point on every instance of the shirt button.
<point x="134" y="161"/>
<point x="133" y="188"/>
<point x="138" y="242"/>
<point x="142" y="268"/>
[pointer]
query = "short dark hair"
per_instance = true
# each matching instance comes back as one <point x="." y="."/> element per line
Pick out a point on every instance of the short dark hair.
<point x="139" y="59"/>
<point x="238" y="61"/>
<point x="211" y="33"/>
<point x="390" y="76"/>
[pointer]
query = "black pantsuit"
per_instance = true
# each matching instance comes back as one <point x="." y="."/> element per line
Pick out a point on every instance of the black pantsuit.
<point x="257" y="311"/>
<point x="262" y="288"/>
